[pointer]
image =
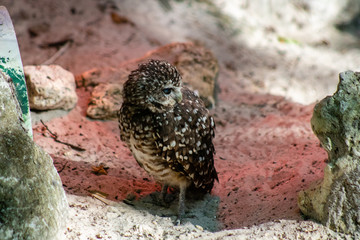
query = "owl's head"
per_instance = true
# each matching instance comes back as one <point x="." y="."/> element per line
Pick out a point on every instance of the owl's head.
<point x="155" y="85"/>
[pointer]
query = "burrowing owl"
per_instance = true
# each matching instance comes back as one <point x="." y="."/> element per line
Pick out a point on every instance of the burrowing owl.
<point x="168" y="129"/>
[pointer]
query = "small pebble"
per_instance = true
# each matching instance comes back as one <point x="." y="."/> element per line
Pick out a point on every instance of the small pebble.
<point x="199" y="227"/>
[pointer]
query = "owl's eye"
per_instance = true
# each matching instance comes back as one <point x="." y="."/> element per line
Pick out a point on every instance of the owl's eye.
<point x="167" y="90"/>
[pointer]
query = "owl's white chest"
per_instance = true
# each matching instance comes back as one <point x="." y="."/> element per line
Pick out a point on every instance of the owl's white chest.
<point x="142" y="154"/>
<point x="156" y="165"/>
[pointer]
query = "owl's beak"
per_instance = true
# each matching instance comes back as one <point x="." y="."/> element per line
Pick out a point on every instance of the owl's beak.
<point x="178" y="95"/>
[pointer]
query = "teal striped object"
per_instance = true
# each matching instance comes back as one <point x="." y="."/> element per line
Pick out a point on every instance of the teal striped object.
<point x="11" y="64"/>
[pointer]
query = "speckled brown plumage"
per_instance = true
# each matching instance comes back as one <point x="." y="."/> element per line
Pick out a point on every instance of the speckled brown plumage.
<point x="168" y="129"/>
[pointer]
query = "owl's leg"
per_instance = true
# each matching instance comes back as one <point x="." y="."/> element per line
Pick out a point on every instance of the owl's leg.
<point x="162" y="199"/>
<point x="164" y="192"/>
<point x="166" y="198"/>
<point x="181" y="210"/>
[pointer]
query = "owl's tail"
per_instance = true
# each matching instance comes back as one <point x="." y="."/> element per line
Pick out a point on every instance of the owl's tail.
<point x="197" y="193"/>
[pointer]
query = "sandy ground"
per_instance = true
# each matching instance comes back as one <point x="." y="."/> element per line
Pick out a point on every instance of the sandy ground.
<point x="273" y="67"/>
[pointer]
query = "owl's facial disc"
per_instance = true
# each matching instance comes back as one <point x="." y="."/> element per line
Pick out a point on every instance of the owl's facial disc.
<point x="165" y="99"/>
<point x="173" y="92"/>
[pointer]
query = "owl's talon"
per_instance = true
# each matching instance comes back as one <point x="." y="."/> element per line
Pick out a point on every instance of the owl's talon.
<point x="178" y="221"/>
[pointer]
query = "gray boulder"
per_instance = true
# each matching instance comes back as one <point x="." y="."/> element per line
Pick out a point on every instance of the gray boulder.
<point x="33" y="204"/>
<point x="335" y="201"/>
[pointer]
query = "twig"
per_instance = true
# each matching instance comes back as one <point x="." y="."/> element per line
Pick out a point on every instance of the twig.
<point x="47" y="128"/>
<point x="63" y="167"/>
<point x="128" y="202"/>
<point x="101" y="198"/>
<point x="55" y="137"/>
<point x="58" y="53"/>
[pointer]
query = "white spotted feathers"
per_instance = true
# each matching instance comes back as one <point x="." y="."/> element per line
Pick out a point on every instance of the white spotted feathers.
<point x="167" y="127"/>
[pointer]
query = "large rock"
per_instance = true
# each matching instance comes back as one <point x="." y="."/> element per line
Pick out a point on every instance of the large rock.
<point x="198" y="67"/>
<point x="336" y="122"/>
<point x="50" y="87"/>
<point x="105" y="101"/>
<point x="32" y="201"/>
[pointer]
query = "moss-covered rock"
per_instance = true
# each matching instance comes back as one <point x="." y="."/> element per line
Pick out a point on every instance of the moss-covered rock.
<point x="336" y="122"/>
<point x="32" y="201"/>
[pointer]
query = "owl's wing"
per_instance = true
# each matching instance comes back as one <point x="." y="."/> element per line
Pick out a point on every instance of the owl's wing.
<point x="187" y="141"/>
<point x="124" y="117"/>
